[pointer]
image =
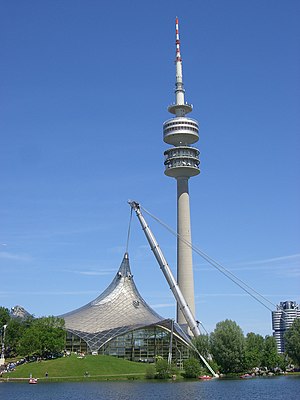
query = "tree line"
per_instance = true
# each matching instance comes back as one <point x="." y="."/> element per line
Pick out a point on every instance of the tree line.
<point x="232" y="352"/>
<point x="40" y="337"/>
<point x="226" y="348"/>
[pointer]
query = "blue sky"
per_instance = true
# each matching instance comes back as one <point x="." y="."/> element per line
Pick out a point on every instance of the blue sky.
<point x="85" y="87"/>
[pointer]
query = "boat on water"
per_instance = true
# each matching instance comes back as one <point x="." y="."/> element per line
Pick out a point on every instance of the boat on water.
<point x="205" y="377"/>
<point x="246" y="376"/>
<point x="33" y="380"/>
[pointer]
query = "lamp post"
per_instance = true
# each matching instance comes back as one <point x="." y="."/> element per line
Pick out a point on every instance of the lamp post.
<point x="2" y="358"/>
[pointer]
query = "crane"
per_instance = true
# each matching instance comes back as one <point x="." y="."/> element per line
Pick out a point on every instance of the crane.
<point x="189" y="317"/>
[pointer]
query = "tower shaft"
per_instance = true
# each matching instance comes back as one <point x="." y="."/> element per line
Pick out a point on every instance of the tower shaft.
<point x="185" y="275"/>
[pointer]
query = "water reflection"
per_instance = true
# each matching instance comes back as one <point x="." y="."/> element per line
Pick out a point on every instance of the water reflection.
<point x="277" y="388"/>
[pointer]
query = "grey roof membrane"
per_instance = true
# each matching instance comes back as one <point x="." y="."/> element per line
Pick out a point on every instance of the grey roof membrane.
<point x="119" y="309"/>
<point x="119" y="305"/>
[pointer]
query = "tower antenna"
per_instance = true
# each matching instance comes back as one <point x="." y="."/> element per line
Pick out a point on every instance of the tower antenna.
<point x="180" y="108"/>
<point x="178" y="56"/>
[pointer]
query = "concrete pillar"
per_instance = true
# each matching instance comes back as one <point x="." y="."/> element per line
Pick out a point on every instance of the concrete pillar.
<point x="185" y="276"/>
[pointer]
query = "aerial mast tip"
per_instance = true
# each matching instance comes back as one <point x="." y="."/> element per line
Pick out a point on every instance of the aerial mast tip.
<point x="178" y="56"/>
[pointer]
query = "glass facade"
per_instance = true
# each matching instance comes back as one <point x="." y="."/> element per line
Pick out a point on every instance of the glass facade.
<point x="142" y="345"/>
<point x="75" y="344"/>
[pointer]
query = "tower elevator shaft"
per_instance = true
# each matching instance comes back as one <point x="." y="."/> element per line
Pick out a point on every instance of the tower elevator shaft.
<point x="185" y="275"/>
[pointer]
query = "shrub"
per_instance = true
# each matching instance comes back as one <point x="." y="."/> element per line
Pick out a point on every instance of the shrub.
<point x="150" y="372"/>
<point x="192" y="368"/>
<point x="162" y="369"/>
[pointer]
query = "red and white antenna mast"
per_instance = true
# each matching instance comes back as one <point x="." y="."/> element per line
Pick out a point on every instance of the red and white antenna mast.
<point x="178" y="56"/>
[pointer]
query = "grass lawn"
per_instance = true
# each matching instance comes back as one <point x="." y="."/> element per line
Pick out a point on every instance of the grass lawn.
<point x="98" y="367"/>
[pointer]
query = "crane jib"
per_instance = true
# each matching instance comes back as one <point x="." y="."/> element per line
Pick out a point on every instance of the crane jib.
<point x="192" y="324"/>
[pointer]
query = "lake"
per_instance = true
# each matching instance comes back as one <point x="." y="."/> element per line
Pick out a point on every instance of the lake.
<point x="269" y="388"/>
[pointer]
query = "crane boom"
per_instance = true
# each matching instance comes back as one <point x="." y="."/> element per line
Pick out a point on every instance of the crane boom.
<point x="170" y="278"/>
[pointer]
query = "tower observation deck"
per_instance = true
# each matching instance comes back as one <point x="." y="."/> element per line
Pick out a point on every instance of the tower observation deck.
<point x="181" y="163"/>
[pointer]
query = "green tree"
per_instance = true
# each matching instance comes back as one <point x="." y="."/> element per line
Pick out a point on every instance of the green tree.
<point x="192" y="368"/>
<point x="254" y="346"/>
<point x="284" y="361"/>
<point x="4" y="320"/>
<point x="4" y="317"/>
<point x="202" y="344"/>
<point x="14" y="331"/>
<point x="43" y="337"/>
<point x="228" y="346"/>
<point x="162" y="369"/>
<point x="29" y="342"/>
<point x="270" y="356"/>
<point x="292" y="341"/>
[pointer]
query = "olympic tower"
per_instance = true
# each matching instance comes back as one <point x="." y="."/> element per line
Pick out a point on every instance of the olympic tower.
<point x="181" y="163"/>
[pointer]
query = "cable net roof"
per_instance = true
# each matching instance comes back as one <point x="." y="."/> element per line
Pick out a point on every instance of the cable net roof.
<point x="119" y="305"/>
<point x="119" y="309"/>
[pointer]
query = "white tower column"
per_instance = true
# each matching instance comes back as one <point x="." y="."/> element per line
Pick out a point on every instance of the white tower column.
<point x="185" y="275"/>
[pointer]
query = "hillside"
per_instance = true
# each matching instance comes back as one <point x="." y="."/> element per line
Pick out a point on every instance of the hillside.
<point x="73" y="368"/>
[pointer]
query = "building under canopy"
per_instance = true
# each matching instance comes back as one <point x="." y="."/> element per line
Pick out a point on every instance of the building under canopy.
<point x="119" y="322"/>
